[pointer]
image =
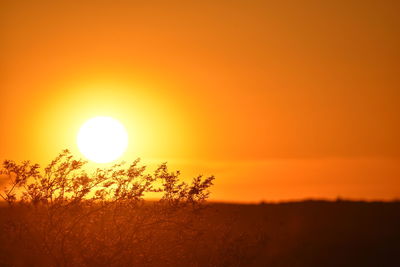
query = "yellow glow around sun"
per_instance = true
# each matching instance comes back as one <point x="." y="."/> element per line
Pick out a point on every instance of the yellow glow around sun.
<point x="102" y="139"/>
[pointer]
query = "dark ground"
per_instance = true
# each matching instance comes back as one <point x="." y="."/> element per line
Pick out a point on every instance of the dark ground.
<point x="319" y="233"/>
<point x="310" y="233"/>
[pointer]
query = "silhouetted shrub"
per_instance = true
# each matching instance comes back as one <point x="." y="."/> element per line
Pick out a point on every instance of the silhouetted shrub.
<point x="65" y="216"/>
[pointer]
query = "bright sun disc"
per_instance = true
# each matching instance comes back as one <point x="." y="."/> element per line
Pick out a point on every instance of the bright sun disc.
<point x="102" y="139"/>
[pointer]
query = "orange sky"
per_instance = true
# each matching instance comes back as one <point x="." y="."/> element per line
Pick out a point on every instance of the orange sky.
<point x="278" y="100"/>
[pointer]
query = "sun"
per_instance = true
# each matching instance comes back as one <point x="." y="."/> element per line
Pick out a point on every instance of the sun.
<point x="102" y="139"/>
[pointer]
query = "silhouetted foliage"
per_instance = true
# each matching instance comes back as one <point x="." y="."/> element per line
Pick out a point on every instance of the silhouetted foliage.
<point x="64" y="181"/>
<point x="75" y="218"/>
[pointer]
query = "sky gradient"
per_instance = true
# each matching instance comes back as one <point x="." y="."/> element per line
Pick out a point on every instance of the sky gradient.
<point x="279" y="99"/>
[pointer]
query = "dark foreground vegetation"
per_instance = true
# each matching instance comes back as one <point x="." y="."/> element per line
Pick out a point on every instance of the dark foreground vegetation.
<point x="62" y="216"/>
<point x="292" y="234"/>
